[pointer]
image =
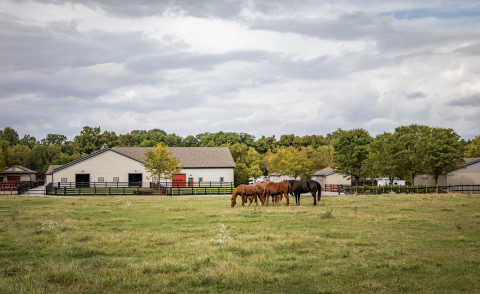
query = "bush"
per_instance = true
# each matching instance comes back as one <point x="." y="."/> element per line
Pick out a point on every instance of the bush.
<point x="388" y="189"/>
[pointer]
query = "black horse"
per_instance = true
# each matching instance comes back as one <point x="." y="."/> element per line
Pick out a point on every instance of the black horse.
<point x="299" y="187"/>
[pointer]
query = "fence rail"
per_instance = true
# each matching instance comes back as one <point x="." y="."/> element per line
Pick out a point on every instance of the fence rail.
<point x="136" y="188"/>
<point x="17" y="188"/>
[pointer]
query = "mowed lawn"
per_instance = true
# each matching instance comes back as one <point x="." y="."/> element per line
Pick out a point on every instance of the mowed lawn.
<point x="346" y="244"/>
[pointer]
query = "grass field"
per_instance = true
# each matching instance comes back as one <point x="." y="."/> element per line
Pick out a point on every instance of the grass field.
<point x="347" y="244"/>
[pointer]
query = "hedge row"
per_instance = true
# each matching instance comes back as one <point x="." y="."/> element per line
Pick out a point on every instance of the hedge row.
<point x="395" y="189"/>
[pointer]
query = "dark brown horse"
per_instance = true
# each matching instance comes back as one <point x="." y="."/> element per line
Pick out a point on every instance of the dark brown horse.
<point x="243" y="191"/>
<point x="299" y="187"/>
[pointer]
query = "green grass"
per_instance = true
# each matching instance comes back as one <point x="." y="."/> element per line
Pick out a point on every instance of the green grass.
<point x="346" y="244"/>
<point x="137" y="191"/>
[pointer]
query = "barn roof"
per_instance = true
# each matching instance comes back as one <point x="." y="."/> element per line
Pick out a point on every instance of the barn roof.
<point x="190" y="157"/>
<point x="325" y="172"/>
<point x="51" y="168"/>
<point x="469" y="161"/>
<point x="18" y="169"/>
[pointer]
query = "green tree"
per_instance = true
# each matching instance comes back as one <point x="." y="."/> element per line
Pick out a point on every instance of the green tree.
<point x="351" y="150"/>
<point x="109" y="138"/>
<point x="473" y="148"/>
<point x="148" y="143"/>
<point x="440" y="152"/>
<point x="2" y="160"/>
<point x="253" y="161"/>
<point x="172" y="140"/>
<point x="289" y="161"/>
<point x="160" y="163"/>
<point x="29" y="141"/>
<point x="19" y="155"/>
<point x="407" y="155"/>
<point x="380" y="161"/>
<point x="42" y="156"/>
<point x="10" y="135"/>
<point x="54" y="139"/>
<point x="240" y="173"/>
<point x="238" y="151"/>
<point x="190" y="141"/>
<point x="88" y="141"/>
<point x="265" y="144"/>
<point x="319" y="158"/>
<point x="126" y="140"/>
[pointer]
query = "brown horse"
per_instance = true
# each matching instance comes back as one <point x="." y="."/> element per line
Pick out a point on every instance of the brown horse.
<point x="260" y="190"/>
<point x="244" y="191"/>
<point x="277" y="189"/>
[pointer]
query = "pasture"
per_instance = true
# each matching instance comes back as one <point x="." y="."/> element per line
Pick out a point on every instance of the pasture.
<point x="346" y="244"/>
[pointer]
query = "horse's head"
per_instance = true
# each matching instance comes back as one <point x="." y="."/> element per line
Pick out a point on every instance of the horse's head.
<point x="233" y="201"/>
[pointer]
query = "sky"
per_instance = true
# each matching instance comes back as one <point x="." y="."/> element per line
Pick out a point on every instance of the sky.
<point x="267" y="67"/>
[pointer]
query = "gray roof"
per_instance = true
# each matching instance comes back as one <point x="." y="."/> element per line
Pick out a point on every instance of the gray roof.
<point x="325" y="172"/>
<point x="18" y="169"/>
<point x="469" y="161"/>
<point x="51" y="168"/>
<point x="190" y="157"/>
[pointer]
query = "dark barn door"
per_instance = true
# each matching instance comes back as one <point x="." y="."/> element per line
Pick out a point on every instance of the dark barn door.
<point x="134" y="180"/>
<point x="82" y="180"/>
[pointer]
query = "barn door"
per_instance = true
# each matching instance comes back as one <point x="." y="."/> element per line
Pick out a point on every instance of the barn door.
<point x="179" y="180"/>
<point x="13" y="178"/>
<point x="82" y="180"/>
<point x="134" y="180"/>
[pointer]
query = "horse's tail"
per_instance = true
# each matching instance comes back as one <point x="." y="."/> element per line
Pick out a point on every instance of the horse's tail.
<point x="319" y="190"/>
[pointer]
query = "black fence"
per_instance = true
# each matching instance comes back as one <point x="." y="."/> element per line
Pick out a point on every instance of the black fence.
<point x="136" y="188"/>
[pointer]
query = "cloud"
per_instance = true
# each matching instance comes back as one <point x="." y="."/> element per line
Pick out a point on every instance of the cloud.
<point x="470" y="101"/>
<point x="260" y="67"/>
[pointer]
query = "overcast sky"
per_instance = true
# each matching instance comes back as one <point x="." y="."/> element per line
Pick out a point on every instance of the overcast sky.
<point x="260" y="67"/>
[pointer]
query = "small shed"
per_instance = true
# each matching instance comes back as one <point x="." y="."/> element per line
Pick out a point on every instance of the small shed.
<point x="17" y="173"/>
<point x="328" y="176"/>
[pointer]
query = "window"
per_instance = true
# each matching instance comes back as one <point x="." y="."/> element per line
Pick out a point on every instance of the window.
<point x="222" y="179"/>
<point x="200" y="179"/>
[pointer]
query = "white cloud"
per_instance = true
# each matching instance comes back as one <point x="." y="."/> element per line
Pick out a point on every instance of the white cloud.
<point x="260" y="67"/>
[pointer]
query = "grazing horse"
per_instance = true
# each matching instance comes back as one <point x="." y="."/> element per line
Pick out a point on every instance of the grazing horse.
<point x="277" y="190"/>
<point x="244" y="191"/>
<point x="260" y="191"/>
<point x="299" y="187"/>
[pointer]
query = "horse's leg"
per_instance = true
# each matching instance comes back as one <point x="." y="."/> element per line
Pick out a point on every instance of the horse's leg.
<point x="288" y="201"/>
<point x="244" y="200"/>
<point x="314" y="198"/>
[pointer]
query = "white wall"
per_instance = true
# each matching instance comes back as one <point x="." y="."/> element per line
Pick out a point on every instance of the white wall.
<point x="209" y="174"/>
<point x="110" y="164"/>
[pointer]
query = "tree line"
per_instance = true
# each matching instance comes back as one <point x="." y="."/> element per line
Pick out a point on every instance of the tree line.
<point x="407" y="151"/>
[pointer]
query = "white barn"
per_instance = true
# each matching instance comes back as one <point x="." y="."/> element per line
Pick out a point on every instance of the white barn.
<point x="123" y="164"/>
<point x="468" y="175"/>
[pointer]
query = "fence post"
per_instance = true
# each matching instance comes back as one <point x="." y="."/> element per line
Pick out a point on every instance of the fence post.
<point x="64" y="191"/>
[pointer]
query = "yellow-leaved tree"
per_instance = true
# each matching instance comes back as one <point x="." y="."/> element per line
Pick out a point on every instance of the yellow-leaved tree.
<point x="160" y="163"/>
